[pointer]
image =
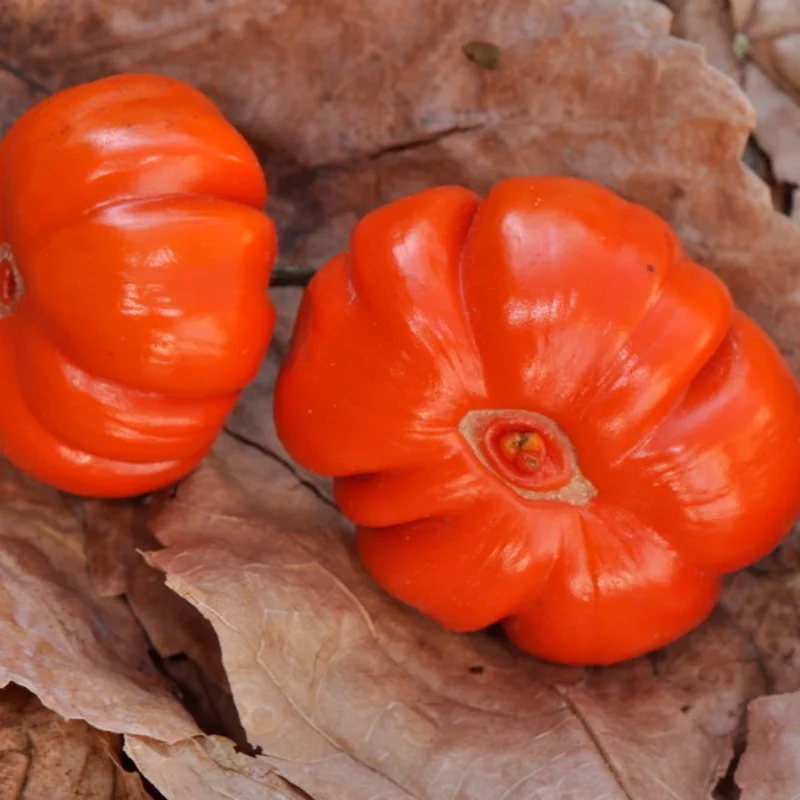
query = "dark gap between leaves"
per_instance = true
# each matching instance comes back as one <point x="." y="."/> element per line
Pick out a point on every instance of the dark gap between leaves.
<point x="32" y="82"/>
<point x="757" y="159"/>
<point x="791" y="188"/>
<point x="726" y="788"/>
<point x="212" y="708"/>
<point x="127" y="763"/>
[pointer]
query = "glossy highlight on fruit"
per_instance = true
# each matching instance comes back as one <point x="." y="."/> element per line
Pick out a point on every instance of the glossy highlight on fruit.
<point x="134" y="262"/>
<point x="539" y="411"/>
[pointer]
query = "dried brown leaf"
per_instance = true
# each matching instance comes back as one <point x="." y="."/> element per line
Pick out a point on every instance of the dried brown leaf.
<point x="770" y="766"/>
<point x="334" y="681"/>
<point x="778" y="130"/>
<point x="719" y="669"/>
<point x="84" y="656"/>
<point x="672" y="140"/>
<point x="211" y="705"/>
<point x="769" y="68"/>
<point x="210" y="769"/>
<point x="709" y="23"/>
<point x="116" y="533"/>
<point x="45" y="756"/>
<point x="388" y="104"/>
<point x="110" y="549"/>
<point x="772" y="28"/>
<point x="764" y="607"/>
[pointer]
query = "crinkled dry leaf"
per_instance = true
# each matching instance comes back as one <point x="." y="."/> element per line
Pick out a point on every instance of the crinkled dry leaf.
<point x="333" y="681"/>
<point x="211" y="705"/>
<point x="210" y="769"/>
<point x="772" y="28"/>
<point x="770" y="766"/>
<point x="654" y="123"/>
<point x="82" y="655"/>
<point x="768" y="67"/>
<point x="772" y="80"/>
<point x="116" y="532"/>
<point x="45" y="756"/>
<point x="719" y="669"/>
<point x="764" y="607"/>
<point x="672" y="140"/>
<point x="778" y="130"/>
<point x="709" y="23"/>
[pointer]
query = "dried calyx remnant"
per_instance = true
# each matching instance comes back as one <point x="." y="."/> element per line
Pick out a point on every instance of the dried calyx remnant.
<point x="11" y="285"/>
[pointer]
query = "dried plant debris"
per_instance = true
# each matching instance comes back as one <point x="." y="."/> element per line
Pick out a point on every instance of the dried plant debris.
<point x="84" y="656"/>
<point x="43" y="756"/>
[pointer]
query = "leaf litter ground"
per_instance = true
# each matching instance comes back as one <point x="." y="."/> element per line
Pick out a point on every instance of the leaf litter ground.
<point x="250" y="596"/>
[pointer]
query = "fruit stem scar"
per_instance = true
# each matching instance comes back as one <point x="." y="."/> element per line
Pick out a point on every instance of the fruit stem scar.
<point x="529" y="452"/>
<point x="524" y="449"/>
<point x="12" y="286"/>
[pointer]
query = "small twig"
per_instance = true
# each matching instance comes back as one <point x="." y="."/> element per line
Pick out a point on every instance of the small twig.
<point x="34" y="83"/>
<point x="286" y="275"/>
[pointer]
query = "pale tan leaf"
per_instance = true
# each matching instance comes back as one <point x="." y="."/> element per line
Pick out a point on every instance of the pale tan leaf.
<point x="772" y="78"/>
<point x="84" y="656"/>
<point x="767" y="19"/>
<point x="769" y="69"/>
<point x="764" y="607"/>
<point x="716" y="24"/>
<point x="210" y="769"/>
<point x="778" y="129"/>
<point x="709" y="23"/>
<point x="742" y="12"/>
<point x="770" y="766"/>
<point x="720" y="670"/>
<point x="44" y="757"/>
<point x="211" y="705"/>
<point x="116" y="532"/>
<point x="322" y="666"/>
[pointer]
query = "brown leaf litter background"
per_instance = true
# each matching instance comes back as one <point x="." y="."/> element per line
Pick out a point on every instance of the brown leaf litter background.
<point x="224" y="630"/>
